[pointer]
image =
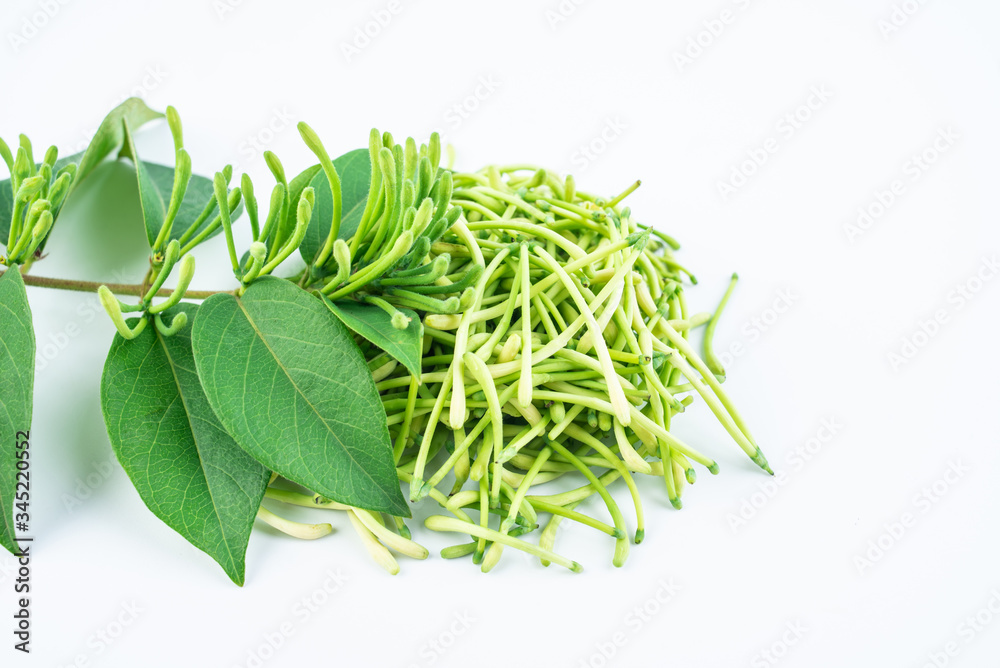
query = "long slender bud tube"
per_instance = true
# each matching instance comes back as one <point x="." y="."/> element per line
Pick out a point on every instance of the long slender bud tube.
<point x="222" y="200"/>
<point x="182" y="176"/>
<point x="315" y="145"/>
<point x="184" y="276"/>
<point x="114" y="309"/>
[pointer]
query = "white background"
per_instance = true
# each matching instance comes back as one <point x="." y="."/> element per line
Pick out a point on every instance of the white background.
<point x="236" y="71"/>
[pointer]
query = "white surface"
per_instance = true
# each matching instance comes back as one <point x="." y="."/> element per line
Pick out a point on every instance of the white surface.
<point x="555" y="89"/>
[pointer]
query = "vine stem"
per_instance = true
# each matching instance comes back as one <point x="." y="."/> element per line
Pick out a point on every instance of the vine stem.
<point x="118" y="288"/>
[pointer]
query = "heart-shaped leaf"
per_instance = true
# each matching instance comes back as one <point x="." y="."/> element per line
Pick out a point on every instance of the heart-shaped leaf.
<point x="374" y="324"/>
<point x="355" y="172"/>
<point x="187" y="469"/>
<point x="17" y="377"/>
<point x="288" y="382"/>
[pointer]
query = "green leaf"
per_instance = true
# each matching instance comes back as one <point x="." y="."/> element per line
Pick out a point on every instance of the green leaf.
<point x="110" y="135"/>
<point x="17" y="376"/>
<point x="288" y="382"/>
<point x="156" y="183"/>
<point x="374" y="324"/>
<point x="355" y="171"/>
<point x="187" y="469"/>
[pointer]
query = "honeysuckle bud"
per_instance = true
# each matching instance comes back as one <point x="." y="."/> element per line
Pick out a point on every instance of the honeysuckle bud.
<point x="466" y="300"/>
<point x="294" y="529"/>
<point x="113" y="307"/>
<point x="382" y="371"/>
<point x="308" y="196"/>
<point x="221" y="189"/>
<point x="171" y="255"/>
<point x="24" y="239"/>
<point x="258" y="254"/>
<point x="182" y="176"/>
<point x="312" y="141"/>
<point x="570" y="193"/>
<point x="235" y="197"/>
<point x="250" y="201"/>
<point x="29" y="158"/>
<point x="409" y="158"/>
<point x="434" y="150"/>
<point x="374" y="143"/>
<point x="176" y="130"/>
<point x="45" y="172"/>
<point x="400" y="321"/>
<point x="423" y="217"/>
<point x="439" y="267"/>
<point x="646" y="345"/>
<point x="22" y="168"/>
<point x="6" y="155"/>
<point x="453" y="305"/>
<point x="303" y="215"/>
<point x="537" y="179"/>
<point x="441" y="193"/>
<point x="42" y="225"/>
<point x="30" y="187"/>
<point x="387" y="163"/>
<point x="51" y="156"/>
<point x="342" y="256"/>
<point x="492" y="557"/>
<point x="273" y="213"/>
<point x="425" y="177"/>
<point x="418" y="252"/>
<point x="36" y="209"/>
<point x="176" y="325"/>
<point x="377" y="550"/>
<point x="409" y="215"/>
<point x="445" y="322"/>
<point x="409" y="194"/>
<point x="184" y="275"/>
<point x="450" y="218"/>
<point x="315" y="145"/>
<point x="277" y="169"/>
<point x="258" y="251"/>
<point x="397" y="542"/>
<point x="220" y="184"/>
<point x="510" y="349"/>
<point x="59" y="190"/>
<point x="41" y="229"/>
